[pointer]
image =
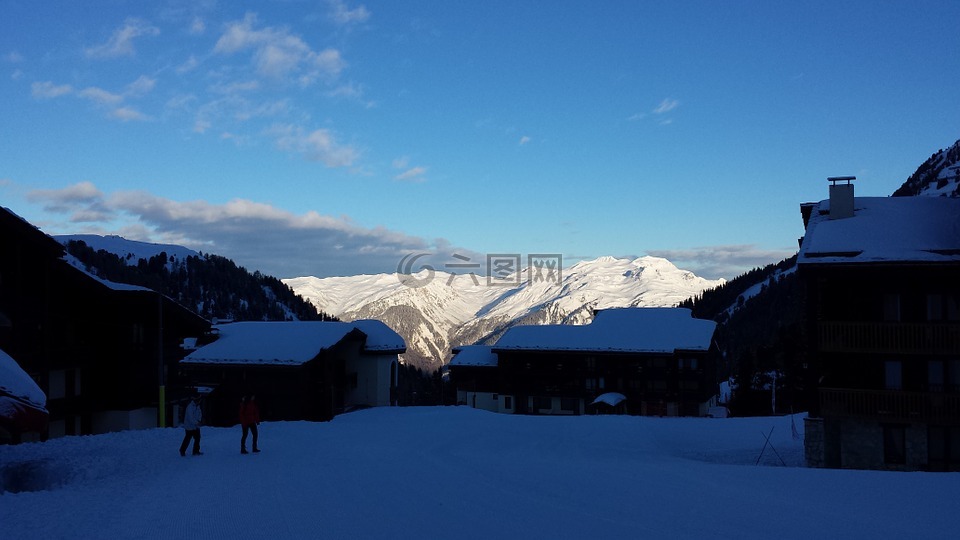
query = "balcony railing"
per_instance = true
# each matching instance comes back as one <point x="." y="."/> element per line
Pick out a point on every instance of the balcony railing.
<point x="891" y="405"/>
<point x="902" y="338"/>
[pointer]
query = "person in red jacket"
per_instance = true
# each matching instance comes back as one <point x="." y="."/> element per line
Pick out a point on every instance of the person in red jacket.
<point x="249" y="419"/>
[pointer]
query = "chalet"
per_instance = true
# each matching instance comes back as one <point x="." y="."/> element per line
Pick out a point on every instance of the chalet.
<point x="659" y="360"/>
<point x="473" y="369"/>
<point x="100" y="351"/>
<point x="883" y="316"/>
<point x="302" y="370"/>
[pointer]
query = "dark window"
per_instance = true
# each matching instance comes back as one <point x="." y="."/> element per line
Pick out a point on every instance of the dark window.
<point x="935" y="375"/>
<point x="591" y="362"/>
<point x="893" y="375"/>
<point x="542" y="403"/>
<point x="570" y="404"/>
<point x="508" y="402"/>
<point x="891" y="307"/>
<point x="894" y="444"/>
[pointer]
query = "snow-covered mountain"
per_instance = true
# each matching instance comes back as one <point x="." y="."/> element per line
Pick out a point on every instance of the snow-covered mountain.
<point x="937" y="176"/>
<point x="129" y="250"/>
<point x="451" y="310"/>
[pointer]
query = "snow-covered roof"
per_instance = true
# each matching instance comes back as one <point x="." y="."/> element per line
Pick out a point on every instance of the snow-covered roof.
<point x="288" y="342"/>
<point x="640" y="330"/>
<point x="15" y="382"/>
<point x="380" y="337"/>
<point x="885" y="229"/>
<point x="610" y="398"/>
<point x="474" y="355"/>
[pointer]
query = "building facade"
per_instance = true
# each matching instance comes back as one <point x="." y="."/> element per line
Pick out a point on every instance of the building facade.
<point x="883" y="316"/>
<point x="660" y="360"/>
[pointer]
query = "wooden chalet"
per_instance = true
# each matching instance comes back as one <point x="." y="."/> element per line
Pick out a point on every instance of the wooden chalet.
<point x="98" y="350"/>
<point x="302" y="370"/>
<point x="883" y="316"/>
<point x="660" y="360"/>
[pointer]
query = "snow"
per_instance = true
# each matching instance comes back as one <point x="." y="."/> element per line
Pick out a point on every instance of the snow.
<point x="458" y="310"/>
<point x="474" y="355"/>
<point x="380" y="337"/>
<point x="660" y="330"/>
<point x="129" y="250"/>
<point x="610" y="398"/>
<point x="456" y="472"/>
<point x="16" y="383"/>
<point x="885" y="229"/>
<point x="287" y="342"/>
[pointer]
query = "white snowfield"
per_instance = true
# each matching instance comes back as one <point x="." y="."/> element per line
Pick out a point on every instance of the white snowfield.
<point x="455" y="472"/>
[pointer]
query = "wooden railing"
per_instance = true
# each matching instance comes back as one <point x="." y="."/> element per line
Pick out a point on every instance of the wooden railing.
<point x="903" y="338"/>
<point x="892" y="405"/>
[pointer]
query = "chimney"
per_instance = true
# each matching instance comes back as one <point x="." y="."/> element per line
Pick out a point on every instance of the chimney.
<point x="841" y="196"/>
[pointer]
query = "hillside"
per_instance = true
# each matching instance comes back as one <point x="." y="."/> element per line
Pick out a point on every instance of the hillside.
<point x="452" y="310"/>
<point x="937" y="176"/>
<point x="213" y="286"/>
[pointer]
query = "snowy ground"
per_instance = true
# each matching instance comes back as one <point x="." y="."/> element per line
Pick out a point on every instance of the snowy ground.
<point x="455" y="472"/>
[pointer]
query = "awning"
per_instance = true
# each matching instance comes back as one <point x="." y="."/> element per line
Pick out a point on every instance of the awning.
<point x="610" y="398"/>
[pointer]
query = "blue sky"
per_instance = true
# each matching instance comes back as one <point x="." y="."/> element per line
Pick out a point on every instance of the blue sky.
<point x="333" y="138"/>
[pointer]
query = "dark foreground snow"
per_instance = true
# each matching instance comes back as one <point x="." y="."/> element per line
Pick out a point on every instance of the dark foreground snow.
<point x="455" y="472"/>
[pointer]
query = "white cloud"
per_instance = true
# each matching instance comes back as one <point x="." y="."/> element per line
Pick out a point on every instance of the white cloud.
<point x="401" y="162"/>
<point x="727" y="261"/>
<point x="100" y="96"/>
<point x="197" y="26"/>
<point x="121" y="42"/>
<point x="189" y="65"/>
<point x="666" y="106"/>
<point x="277" y="53"/>
<point x="524" y="140"/>
<point x="127" y="114"/>
<point x="143" y="85"/>
<point x="343" y="15"/>
<point x="13" y="57"/>
<point x="414" y="174"/>
<point x="318" y="145"/>
<point x="48" y="90"/>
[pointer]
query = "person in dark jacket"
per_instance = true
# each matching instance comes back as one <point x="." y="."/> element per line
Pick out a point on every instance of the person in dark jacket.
<point x="191" y="426"/>
<point x="249" y="419"/>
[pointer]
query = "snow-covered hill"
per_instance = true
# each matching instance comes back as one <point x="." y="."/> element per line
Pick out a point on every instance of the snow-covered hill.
<point x="937" y="176"/>
<point x="451" y="310"/>
<point x="129" y="250"/>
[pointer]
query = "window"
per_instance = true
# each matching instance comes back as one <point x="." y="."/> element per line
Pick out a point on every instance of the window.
<point x="591" y="362"/>
<point x="891" y="307"/>
<point x="542" y="403"/>
<point x="495" y="397"/>
<point x="689" y="385"/>
<point x="894" y="444"/>
<point x="508" y="402"/>
<point x="893" y="375"/>
<point x="687" y="363"/>
<point x="570" y="405"/>
<point x="935" y="375"/>
<point x="590" y="384"/>
<point x="934" y="307"/>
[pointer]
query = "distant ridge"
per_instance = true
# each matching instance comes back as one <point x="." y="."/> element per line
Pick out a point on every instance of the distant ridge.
<point x="452" y="310"/>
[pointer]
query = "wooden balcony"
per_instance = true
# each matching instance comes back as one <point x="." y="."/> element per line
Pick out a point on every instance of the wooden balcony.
<point x="891" y="405"/>
<point x="898" y="338"/>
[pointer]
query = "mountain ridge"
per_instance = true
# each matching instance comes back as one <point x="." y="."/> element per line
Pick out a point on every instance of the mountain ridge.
<point x="447" y="310"/>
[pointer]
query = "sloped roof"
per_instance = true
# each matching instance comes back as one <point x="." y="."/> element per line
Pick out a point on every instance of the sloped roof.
<point x="885" y="229"/>
<point x="474" y="355"/>
<point x="638" y="330"/>
<point x="289" y="342"/>
<point x="380" y="337"/>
